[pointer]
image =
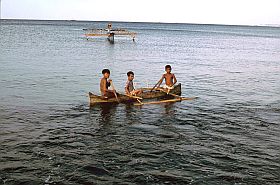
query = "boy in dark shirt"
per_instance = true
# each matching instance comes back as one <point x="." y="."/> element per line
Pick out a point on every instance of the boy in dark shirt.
<point x="129" y="87"/>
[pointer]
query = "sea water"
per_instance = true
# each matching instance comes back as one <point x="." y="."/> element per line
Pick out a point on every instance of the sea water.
<point x="50" y="135"/>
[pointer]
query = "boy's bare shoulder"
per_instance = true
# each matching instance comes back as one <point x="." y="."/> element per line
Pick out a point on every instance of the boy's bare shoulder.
<point x="169" y="75"/>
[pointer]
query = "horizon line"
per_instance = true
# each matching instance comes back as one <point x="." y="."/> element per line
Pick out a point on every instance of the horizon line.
<point x="214" y="24"/>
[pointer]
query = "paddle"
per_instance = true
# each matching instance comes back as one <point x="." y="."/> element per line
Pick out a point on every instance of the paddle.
<point x="136" y="97"/>
<point x="115" y="91"/>
<point x="155" y="85"/>
<point x="139" y="102"/>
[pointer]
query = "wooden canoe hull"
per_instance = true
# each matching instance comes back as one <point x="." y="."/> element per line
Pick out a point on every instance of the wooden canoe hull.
<point x="95" y="99"/>
<point x="159" y="93"/>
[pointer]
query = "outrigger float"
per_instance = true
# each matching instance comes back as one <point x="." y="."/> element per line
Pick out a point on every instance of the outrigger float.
<point x="148" y="93"/>
<point x="108" y="32"/>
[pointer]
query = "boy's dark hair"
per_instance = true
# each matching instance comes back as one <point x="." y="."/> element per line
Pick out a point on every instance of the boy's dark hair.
<point x="129" y="73"/>
<point x="168" y="67"/>
<point x="105" y="71"/>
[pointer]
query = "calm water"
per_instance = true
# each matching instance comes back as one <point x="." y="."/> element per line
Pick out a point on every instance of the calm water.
<point x="49" y="135"/>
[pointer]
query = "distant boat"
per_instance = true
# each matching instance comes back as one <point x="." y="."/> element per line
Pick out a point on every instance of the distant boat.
<point x="108" y="32"/>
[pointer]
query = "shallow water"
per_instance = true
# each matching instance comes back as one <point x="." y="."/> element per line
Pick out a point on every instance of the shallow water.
<point x="49" y="134"/>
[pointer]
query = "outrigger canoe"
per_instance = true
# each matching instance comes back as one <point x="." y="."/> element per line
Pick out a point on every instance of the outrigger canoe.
<point x="147" y="94"/>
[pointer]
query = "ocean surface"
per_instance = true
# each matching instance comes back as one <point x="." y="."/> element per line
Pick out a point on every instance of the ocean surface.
<point x="49" y="134"/>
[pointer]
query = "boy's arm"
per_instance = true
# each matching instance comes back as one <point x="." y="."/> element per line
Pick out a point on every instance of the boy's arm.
<point x="175" y="80"/>
<point x="103" y="86"/>
<point x="160" y="81"/>
<point x="126" y="88"/>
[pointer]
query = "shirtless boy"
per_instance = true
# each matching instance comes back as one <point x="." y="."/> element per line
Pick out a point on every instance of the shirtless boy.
<point x="105" y="83"/>
<point x="170" y="79"/>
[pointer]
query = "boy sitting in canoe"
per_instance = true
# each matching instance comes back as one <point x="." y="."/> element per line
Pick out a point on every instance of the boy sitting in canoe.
<point x="105" y="83"/>
<point x="129" y="88"/>
<point x="170" y="79"/>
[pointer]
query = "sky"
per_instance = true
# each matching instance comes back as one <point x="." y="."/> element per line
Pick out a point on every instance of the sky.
<point x="233" y="12"/>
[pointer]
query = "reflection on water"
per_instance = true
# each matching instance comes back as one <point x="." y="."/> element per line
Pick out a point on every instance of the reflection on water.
<point x="169" y="108"/>
<point x="107" y="111"/>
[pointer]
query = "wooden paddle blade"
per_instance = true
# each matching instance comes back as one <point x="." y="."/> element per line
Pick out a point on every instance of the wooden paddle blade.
<point x="116" y="96"/>
<point x="155" y="85"/>
<point x="115" y="92"/>
<point x="139" y="102"/>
